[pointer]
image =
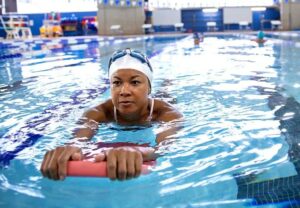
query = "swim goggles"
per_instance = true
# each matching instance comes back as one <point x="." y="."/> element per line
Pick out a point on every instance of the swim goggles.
<point x="133" y="53"/>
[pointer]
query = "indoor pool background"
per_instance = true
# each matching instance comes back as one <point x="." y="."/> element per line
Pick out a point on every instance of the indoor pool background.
<point x="239" y="146"/>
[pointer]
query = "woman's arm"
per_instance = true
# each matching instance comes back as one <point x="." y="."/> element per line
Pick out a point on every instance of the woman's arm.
<point x="90" y="120"/>
<point x="89" y="124"/>
<point x="54" y="165"/>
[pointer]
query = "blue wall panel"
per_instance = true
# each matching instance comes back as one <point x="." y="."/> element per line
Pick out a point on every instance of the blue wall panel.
<point x="195" y="19"/>
<point x="261" y="20"/>
<point x="37" y="22"/>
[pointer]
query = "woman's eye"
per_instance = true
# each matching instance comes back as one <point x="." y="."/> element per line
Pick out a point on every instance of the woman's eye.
<point x="135" y="82"/>
<point x="116" y="83"/>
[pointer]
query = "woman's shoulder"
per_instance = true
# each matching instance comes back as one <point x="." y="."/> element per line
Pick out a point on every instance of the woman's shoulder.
<point x="165" y="111"/>
<point x="160" y="104"/>
<point x="106" y="105"/>
<point x="101" y="112"/>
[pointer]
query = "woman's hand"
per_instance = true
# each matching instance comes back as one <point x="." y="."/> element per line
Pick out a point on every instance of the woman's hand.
<point x="54" y="165"/>
<point x="125" y="162"/>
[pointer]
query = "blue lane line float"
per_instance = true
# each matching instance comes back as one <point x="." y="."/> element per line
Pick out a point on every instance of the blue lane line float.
<point x="33" y="128"/>
<point x="63" y="41"/>
<point x="8" y="56"/>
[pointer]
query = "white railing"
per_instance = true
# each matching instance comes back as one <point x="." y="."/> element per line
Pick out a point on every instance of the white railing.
<point x="16" y="26"/>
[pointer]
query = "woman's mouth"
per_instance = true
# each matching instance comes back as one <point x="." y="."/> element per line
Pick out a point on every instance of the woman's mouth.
<point x="125" y="103"/>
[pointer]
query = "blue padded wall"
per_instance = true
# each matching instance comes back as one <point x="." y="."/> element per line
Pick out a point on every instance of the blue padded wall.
<point x="195" y="19"/>
<point x="266" y="16"/>
<point x="37" y="22"/>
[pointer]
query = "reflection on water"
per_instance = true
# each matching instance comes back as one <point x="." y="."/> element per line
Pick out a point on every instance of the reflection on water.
<point x="10" y="73"/>
<point x="240" y="130"/>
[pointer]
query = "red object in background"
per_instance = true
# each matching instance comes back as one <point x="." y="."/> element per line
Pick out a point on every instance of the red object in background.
<point x="88" y="20"/>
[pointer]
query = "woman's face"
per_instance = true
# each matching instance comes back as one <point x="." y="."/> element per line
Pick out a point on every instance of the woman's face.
<point x="129" y="91"/>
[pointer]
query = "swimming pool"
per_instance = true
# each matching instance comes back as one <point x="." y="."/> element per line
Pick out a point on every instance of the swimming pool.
<point x="239" y="146"/>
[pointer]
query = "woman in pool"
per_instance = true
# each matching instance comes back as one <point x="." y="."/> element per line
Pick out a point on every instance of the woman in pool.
<point x="260" y="37"/>
<point x="198" y="37"/>
<point x="130" y="75"/>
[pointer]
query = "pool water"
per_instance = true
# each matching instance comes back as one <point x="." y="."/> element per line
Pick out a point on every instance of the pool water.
<point x="239" y="146"/>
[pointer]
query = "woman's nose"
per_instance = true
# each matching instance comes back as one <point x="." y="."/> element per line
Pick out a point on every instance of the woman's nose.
<point x="125" y="90"/>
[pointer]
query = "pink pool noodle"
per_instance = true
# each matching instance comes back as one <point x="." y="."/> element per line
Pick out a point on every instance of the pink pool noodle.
<point x="94" y="169"/>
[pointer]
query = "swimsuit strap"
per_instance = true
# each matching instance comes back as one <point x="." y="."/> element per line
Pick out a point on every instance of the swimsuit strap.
<point x="151" y="110"/>
<point x="149" y="117"/>
<point x="115" y="114"/>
